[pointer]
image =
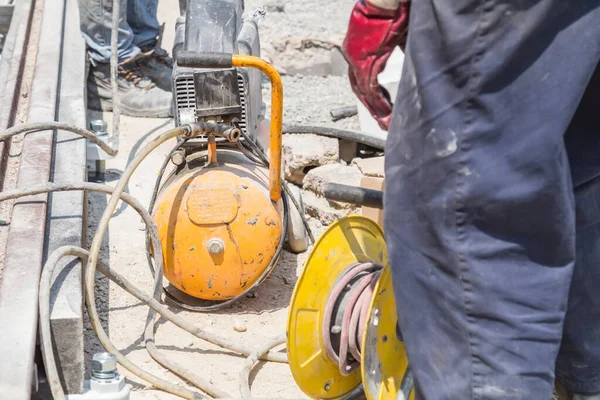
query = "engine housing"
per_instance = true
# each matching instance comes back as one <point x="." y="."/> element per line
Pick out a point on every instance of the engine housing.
<point x="221" y="95"/>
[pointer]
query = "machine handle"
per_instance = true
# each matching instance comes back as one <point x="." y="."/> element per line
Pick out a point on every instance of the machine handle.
<point x="192" y="59"/>
<point x="223" y="60"/>
<point x="354" y="195"/>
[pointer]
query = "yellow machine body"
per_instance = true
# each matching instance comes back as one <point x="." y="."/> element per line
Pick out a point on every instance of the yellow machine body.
<point x="346" y="241"/>
<point x="218" y="227"/>
<point x="384" y="362"/>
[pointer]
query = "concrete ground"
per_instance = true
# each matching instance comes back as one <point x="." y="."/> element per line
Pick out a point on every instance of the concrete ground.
<point x="308" y="100"/>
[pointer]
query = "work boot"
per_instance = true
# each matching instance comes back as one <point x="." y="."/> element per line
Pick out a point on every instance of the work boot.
<point x="158" y="66"/>
<point x="139" y="96"/>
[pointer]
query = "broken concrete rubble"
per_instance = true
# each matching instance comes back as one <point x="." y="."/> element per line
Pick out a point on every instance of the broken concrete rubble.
<point x="314" y="183"/>
<point x="321" y="209"/>
<point x="302" y="152"/>
<point x="371" y="166"/>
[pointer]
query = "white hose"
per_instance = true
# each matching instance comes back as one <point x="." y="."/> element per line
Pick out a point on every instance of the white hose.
<point x="152" y="302"/>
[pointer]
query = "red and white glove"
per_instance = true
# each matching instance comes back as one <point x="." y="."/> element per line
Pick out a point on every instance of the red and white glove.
<point x="376" y="28"/>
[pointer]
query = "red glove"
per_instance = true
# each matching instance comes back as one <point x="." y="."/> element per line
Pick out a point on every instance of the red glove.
<point x="373" y="33"/>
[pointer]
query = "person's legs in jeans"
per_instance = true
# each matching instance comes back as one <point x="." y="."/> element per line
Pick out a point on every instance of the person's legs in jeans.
<point x="96" y="22"/>
<point x="139" y="73"/>
<point x="578" y="363"/>
<point x="479" y="203"/>
<point x="141" y="17"/>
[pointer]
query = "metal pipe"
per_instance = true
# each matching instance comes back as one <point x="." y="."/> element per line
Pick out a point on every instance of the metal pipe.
<point x="275" y="143"/>
<point x="354" y="195"/>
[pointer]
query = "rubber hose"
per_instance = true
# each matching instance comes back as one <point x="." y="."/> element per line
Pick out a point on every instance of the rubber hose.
<point x="161" y="309"/>
<point x="123" y="283"/>
<point x="161" y="172"/>
<point x="175" y="368"/>
<point x="92" y="312"/>
<point x="156" y="381"/>
<point x="263" y="157"/>
<point x="90" y="271"/>
<point x="44" y="303"/>
<point x="42" y="126"/>
<point x="186" y="131"/>
<point x="45" y="280"/>
<point x="244" y="384"/>
<point x="337" y="133"/>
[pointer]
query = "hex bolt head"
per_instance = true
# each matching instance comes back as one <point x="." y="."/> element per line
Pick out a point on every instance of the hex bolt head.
<point x="99" y="126"/>
<point x="178" y="158"/>
<point x="104" y="366"/>
<point x="215" y="246"/>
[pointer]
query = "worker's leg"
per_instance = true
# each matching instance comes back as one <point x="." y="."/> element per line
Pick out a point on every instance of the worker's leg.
<point x="141" y="16"/>
<point x="96" y="23"/>
<point x="479" y="206"/>
<point x="578" y="363"/>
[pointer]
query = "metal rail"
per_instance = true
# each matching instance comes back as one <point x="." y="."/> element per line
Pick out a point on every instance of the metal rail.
<point x="42" y="71"/>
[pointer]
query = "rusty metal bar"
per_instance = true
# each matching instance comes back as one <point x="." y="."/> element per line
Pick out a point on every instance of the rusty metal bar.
<point x="26" y="238"/>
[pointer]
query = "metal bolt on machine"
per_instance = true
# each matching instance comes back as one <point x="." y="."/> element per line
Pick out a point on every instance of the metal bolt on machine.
<point x="96" y="158"/>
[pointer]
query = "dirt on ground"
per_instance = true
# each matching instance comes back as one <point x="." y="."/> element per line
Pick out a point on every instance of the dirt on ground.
<point x="262" y="315"/>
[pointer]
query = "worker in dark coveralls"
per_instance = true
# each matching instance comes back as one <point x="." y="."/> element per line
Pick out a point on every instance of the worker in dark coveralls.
<point x="492" y="203"/>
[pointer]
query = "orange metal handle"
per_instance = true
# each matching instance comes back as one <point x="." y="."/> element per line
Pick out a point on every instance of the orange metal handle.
<point x="276" y="118"/>
<point x="223" y="60"/>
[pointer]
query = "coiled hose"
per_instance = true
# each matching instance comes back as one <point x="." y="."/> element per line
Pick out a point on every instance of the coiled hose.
<point x="58" y="393"/>
<point x="355" y="289"/>
<point x="90" y="259"/>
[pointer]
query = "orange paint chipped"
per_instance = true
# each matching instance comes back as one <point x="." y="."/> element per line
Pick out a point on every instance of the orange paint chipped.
<point x="214" y="204"/>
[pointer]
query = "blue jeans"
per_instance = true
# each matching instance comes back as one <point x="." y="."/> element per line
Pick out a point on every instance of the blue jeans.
<point x="139" y="27"/>
<point x="492" y="202"/>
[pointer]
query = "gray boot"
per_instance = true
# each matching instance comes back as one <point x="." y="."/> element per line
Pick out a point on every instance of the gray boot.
<point x="158" y="66"/>
<point x="139" y="96"/>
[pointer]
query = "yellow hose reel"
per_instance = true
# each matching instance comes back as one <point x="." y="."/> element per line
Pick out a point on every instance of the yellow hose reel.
<point x="342" y="324"/>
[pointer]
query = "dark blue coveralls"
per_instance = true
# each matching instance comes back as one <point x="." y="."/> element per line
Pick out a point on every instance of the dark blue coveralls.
<point x="492" y="204"/>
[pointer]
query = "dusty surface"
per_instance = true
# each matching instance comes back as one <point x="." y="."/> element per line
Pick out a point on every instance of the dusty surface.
<point x="308" y="100"/>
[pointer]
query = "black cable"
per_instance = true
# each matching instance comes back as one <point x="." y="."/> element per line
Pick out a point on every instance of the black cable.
<point x="155" y="191"/>
<point x="260" y="154"/>
<point x="346" y="134"/>
<point x="249" y="154"/>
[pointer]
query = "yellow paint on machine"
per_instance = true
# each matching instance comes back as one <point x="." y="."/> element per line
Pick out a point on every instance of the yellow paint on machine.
<point x="384" y="361"/>
<point x="347" y="241"/>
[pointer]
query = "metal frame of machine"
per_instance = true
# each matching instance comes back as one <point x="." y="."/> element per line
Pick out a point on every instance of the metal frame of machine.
<point x="224" y="192"/>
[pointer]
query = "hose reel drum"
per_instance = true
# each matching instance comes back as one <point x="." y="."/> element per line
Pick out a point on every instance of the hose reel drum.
<point x="342" y="324"/>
